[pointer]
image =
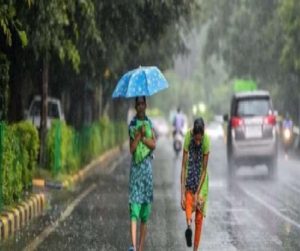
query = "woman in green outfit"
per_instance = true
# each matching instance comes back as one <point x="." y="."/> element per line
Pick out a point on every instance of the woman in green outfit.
<point x="142" y="144"/>
<point x="194" y="179"/>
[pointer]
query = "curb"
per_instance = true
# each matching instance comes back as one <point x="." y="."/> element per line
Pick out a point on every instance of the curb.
<point x="81" y="174"/>
<point x="14" y="218"/>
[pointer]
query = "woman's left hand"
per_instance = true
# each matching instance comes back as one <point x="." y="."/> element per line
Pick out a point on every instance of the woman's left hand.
<point x="138" y="136"/>
<point x="143" y="131"/>
<point x="200" y="202"/>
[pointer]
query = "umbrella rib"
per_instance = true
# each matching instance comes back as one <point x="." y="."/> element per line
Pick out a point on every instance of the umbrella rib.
<point x="129" y="77"/>
<point x="146" y="82"/>
<point x="129" y="83"/>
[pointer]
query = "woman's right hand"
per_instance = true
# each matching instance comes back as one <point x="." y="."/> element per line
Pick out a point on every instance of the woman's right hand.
<point x="138" y="135"/>
<point x="183" y="201"/>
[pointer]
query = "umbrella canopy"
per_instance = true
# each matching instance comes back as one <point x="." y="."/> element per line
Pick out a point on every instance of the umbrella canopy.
<point x="142" y="81"/>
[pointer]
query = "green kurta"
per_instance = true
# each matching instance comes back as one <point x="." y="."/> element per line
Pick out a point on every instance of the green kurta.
<point x="205" y="150"/>
<point x="141" y="178"/>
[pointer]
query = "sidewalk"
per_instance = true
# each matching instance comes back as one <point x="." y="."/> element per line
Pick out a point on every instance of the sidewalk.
<point x="15" y="218"/>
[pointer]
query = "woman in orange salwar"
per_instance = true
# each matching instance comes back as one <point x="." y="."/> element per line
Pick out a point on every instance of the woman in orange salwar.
<point x="194" y="179"/>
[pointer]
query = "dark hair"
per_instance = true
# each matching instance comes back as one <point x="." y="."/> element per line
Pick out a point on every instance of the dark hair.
<point x="198" y="126"/>
<point x="137" y="98"/>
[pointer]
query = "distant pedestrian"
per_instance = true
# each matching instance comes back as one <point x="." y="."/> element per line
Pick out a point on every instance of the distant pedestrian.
<point x="142" y="144"/>
<point x="178" y="122"/>
<point x="194" y="179"/>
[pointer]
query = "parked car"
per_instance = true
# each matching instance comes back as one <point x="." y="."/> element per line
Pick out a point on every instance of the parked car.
<point x="54" y="111"/>
<point x="251" y="132"/>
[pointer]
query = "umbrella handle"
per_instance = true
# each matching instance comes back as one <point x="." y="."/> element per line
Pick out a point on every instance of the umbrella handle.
<point x="143" y="130"/>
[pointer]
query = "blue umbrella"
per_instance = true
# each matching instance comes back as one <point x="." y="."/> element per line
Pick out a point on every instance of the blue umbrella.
<point x="142" y="81"/>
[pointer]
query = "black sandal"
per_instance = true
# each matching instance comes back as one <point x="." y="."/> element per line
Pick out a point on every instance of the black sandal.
<point x="188" y="236"/>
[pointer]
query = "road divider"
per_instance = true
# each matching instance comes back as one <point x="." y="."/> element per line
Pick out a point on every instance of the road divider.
<point x="12" y="219"/>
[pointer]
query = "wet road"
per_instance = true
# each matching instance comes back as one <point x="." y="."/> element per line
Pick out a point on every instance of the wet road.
<point x="252" y="213"/>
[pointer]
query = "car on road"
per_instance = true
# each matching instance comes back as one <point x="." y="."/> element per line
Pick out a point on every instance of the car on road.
<point x="251" y="132"/>
<point x="54" y="111"/>
<point x="214" y="130"/>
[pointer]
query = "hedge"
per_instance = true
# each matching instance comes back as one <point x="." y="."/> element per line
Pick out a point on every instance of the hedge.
<point x="18" y="159"/>
<point x="68" y="150"/>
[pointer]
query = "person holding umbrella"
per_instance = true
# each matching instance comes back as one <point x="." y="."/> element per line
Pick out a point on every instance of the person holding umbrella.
<point x="142" y="144"/>
<point x="194" y="179"/>
<point x="139" y="83"/>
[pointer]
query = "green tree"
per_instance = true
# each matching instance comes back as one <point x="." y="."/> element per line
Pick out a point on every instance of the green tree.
<point x="53" y="33"/>
<point x="289" y="16"/>
<point x="132" y="33"/>
<point x="10" y="29"/>
<point x="82" y="48"/>
<point x="258" y="40"/>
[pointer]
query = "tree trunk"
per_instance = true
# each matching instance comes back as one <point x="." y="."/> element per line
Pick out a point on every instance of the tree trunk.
<point x="44" y="112"/>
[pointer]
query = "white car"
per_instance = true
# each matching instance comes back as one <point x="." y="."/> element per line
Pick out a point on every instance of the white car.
<point x="251" y="131"/>
<point x="54" y="111"/>
<point x="214" y="130"/>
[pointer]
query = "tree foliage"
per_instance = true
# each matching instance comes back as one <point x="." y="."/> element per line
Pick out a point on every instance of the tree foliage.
<point x="9" y="21"/>
<point x="259" y="40"/>
<point x="88" y="45"/>
<point x="289" y="16"/>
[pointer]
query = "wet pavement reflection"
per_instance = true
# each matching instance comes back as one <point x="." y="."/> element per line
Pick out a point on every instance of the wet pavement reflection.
<point x="251" y="212"/>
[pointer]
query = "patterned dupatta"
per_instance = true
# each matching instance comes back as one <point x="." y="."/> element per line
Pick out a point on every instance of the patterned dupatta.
<point x="194" y="166"/>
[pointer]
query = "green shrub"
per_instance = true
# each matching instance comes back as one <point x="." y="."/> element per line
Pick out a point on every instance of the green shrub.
<point x="84" y="139"/>
<point x="62" y="156"/>
<point x="50" y="149"/>
<point x="20" y="151"/>
<point x="72" y="150"/>
<point x="104" y="135"/>
<point x="67" y="149"/>
<point x="8" y="159"/>
<point x="28" y="141"/>
<point x="90" y="142"/>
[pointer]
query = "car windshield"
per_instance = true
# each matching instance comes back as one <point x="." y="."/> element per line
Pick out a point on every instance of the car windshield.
<point x="52" y="109"/>
<point x="35" y="110"/>
<point x="253" y="107"/>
